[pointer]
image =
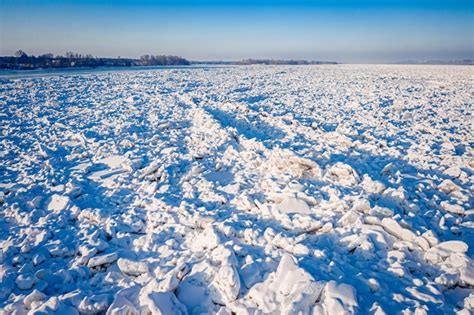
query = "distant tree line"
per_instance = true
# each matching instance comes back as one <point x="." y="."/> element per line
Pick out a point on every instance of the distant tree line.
<point x="150" y="60"/>
<point x="266" y="62"/>
<point x="465" y="62"/>
<point x="23" y="61"/>
<point x="283" y="62"/>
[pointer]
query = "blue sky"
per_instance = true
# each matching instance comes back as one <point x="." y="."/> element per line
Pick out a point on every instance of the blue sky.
<point x="345" y="30"/>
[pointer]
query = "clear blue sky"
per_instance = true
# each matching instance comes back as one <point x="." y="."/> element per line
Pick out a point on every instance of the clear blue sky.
<point x="344" y="30"/>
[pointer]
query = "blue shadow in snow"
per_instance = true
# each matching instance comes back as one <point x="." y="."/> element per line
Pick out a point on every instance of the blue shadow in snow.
<point x="259" y="129"/>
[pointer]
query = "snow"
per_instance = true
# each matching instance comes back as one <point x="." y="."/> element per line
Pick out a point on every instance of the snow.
<point x="132" y="268"/>
<point x="342" y="189"/>
<point x="57" y="203"/>
<point x="289" y="290"/>
<point x="101" y="260"/>
<point x="293" y="205"/>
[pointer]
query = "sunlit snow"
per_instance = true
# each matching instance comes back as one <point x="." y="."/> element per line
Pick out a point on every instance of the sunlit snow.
<point x="239" y="190"/>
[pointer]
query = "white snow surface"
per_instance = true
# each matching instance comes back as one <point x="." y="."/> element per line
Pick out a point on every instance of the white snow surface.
<point x="342" y="189"/>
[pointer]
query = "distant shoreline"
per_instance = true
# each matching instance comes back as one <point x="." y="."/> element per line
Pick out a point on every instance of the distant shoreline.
<point x="463" y="62"/>
<point x="23" y="61"/>
<point x="33" y="73"/>
<point x="193" y="65"/>
<point x="190" y="64"/>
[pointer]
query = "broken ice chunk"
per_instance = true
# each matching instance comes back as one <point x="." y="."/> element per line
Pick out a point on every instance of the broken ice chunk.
<point x="207" y="239"/>
<point x="160" y="303"/>
<point x="453" y="246"/>
<point x="422" y="242"/>
<point x="194" y="295"/>
<point x="340" y="298"/>
<point x="102" y="260"/>
<point x="452" y="208"/>
<point x="288" y="283"/>
<point x="34" y="297"/>
<point x="295" y="186"/>
<point x="125" y="302"/>
<point x="132" y="268"/>
<point x="38" y="259"/>
<point x="371" y="186"/>
<point x="431" y="237"/>
<point x="447" y="186"/>
<point x="467" y="274"/>
<point x="387" y="169"/>
<point x="453" y="172"/>
<point x="58" y="203"/>
<point x="361" y="205"/>
<point x="114" y="161"/>
<point x="95" y="303"/>
<point x="293" y="205"/>
<point x="374" y="285"/>
<point x="150" y="169"/>
<point x="342" y="174"/>
<point x="25" y="281"/>
<point x="226" y="285"/>
<point x="381" y="212"/>
<point x="394" y="228"/>
<point x="169" y="283"/>
<point x="163" y="303"/>
<point x="250" y="274"/>
<point x="54" y="306"/>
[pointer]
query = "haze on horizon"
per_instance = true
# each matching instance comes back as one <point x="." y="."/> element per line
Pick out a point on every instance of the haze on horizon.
<point x="344" y="31"/>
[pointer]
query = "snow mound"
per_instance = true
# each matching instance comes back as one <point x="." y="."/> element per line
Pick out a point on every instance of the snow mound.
<point x="289" y="289"/>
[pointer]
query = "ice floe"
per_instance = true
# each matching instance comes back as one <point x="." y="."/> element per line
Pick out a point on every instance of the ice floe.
<point x="342" y="189"/>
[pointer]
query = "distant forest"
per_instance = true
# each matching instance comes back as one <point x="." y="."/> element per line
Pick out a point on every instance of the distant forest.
<point x="23" y="61"/>
<point x="284" y="62"/>
<point x="266" y="62"/>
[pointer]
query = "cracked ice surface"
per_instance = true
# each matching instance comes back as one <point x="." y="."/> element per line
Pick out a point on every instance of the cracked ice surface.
<point x="294" y="190"/>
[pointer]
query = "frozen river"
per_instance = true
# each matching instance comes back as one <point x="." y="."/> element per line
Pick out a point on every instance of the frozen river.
<point x="246" y="190"/>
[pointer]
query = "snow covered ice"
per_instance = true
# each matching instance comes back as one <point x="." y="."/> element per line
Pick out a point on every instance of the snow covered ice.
<point x="341" y="189"/>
